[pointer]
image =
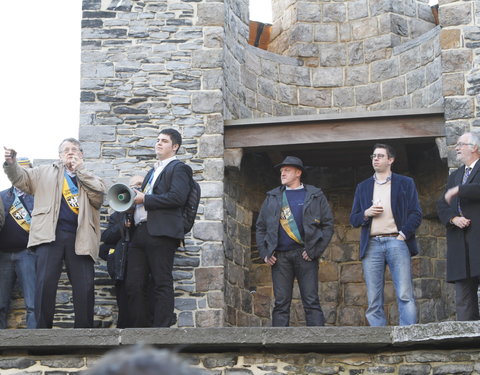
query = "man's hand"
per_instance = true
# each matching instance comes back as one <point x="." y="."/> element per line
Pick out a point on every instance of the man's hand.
<point x="139" y="198"/>
<point x="74" y="163"/>
<point x="460" y="221"/>
<point x="306" y="257"/>
<point x="450" y="194"/>
<point x="270" y="260"/>
<point x="10" y="155"/>
<point x="373" y="211"/>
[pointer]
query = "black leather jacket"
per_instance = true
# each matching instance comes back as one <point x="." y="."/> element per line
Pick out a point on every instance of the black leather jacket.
<point x="317" y="222"/>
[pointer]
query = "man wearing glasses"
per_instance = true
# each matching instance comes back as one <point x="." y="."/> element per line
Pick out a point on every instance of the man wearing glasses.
<point x="459" y="211"/>
<point x="386" y="207"/>
<point x="65" y="226"/>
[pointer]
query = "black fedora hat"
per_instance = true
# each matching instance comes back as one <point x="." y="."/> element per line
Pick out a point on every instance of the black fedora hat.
<point x="293" y="161"/>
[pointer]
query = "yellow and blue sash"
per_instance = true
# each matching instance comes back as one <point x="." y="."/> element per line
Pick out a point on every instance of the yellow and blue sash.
<point x="20" y="214"/>
<point x="287" y="221"/>
<point x="70" y="193"/>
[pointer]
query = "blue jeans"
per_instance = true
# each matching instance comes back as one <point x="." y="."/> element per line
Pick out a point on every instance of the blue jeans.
<point x="290" y="265"/>
<point x="19" y="265"/>
<point x="380" y="252"/>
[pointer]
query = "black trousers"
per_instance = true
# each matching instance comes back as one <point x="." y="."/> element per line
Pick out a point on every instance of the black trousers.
<point x="150" y="255"/>
<point x="291" y="265"/>
<point x="80" y="272"/>
<point x="466" y="299"/>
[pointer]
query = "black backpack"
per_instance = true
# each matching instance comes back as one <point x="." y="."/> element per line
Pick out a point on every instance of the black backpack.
<point x="189" y="211"/>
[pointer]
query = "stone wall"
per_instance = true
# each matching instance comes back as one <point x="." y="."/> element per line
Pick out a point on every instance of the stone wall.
<point x="460" y="39"/>
<point x="446" y="348"/>
<point x="308" y="29"/>
<point x="358" y="73"/>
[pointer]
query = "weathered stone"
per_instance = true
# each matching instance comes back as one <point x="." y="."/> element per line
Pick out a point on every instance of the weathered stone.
<point x="456" y="60"/>
<point x="364" y="28"/>
<point x="393" y="87"/>
<point x="314" y="98"/>
<point x="208" y="231"/>
<point x="357" y="9"/>
<point x="458" y="108"/>
<point x="368" y="94"/>
<point x="326" y="33"/>
<point x="343" y="97"/>
<point x="356" y="75"/>
<point x="327" y="77"/>
<point x="333" y="55"/>
<point x="459" y="13"/>
<point x="453" y="84"/>
<point x="415" y="80"/>
<point x="355" y="53"/>
<point x="308" y="12"/>
<point x="383" y="70"/>
<point x="210" y="14"/>
<point x="450" y="38"/>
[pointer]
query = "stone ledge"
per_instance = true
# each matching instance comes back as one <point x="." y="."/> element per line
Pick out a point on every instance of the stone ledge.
<point x="293" y="339"/>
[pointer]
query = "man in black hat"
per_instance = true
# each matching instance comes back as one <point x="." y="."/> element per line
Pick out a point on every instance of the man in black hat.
<point x="294" y="227"/>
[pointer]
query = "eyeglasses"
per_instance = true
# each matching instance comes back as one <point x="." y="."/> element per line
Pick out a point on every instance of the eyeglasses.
<point x="68" y="150"/>
<point x="461" y="144"/>
<point x="378" y="156"/>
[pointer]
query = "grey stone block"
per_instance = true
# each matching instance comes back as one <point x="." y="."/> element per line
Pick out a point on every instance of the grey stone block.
<point x="295" y="75"/>
<point x="208" y="58"/>
<point x="357" y="9"/>
<point x="326" y="33"/>
<point x="97" y="133"/>
<point x="364" y="28"/>
<point x="327" y="77"/>
<point x="287" y="94"/>
<point x="399" y="25"/>
<point x="207" y="101"/>
<point x="355" y="53"/>
<point x="333" y="55"/>
<point x="334" y="12"/>
<point x="302" y="32"/>
<point x="369" y="94"/>
<point x="456" y="60"/>
<point x="315" y="98"/>
<point x="415" y="80"/>
<point x="383" y="70"/>
<point x="208" y="231"/>
<point x="308" y="12"/>
<point x="459" y="108"/>
<point x="343" y="97"/>
<point x="213" y="37"/>
<point x="97" y="70"/>
<point x="393" y="87"/>
<point x="355" y="76"/>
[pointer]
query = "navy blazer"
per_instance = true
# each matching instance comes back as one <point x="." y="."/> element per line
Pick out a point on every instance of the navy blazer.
<point x="169" y="194"/>
<point x="405" y="208"/>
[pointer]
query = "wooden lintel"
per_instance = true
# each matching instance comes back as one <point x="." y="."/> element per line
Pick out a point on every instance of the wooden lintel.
<point x="264" y="134"/>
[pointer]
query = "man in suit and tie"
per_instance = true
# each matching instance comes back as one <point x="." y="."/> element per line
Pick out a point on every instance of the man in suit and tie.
<point x="386" y="207"/>
<point x="459" y="211"/>
<point x="159" y="230"/>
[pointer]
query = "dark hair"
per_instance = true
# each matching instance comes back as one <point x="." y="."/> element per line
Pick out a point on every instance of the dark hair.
<point x="390" y="149"/>
<point x="174" y="136"/>
<point x="143" y="360"/>
<point x="75" y="141"/>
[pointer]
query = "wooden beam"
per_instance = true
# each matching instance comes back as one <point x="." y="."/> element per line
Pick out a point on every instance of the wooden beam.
<point x="328" y="129"/>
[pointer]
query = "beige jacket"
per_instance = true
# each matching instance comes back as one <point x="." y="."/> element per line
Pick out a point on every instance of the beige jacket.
<point x="45" y="184"/>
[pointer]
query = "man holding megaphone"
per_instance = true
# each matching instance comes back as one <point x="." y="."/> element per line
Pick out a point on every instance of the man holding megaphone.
<point x="159" y="228"/>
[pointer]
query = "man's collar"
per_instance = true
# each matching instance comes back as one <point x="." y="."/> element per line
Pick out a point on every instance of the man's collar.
<point x="297" y="188"/>
<point x="162" y="163"/>
<point x="472" y="164"/>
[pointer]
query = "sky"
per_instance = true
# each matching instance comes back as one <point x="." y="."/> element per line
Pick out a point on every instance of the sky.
<point x="41" y="74"/>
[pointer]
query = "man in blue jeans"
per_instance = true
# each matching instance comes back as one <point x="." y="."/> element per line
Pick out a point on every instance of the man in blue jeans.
<point x="294" y="227"/>
<point x="16" y="261"/>
<point x="386" y="207"/>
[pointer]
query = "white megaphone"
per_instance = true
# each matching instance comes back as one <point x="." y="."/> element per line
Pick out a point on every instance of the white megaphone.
<point x="120" y="197"/>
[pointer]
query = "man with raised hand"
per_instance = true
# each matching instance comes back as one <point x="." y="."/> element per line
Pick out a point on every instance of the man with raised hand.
<point x="65" y="227"/>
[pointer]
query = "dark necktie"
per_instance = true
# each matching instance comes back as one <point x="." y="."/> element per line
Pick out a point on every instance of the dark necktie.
<point x="464" y="180"/>
<point x="466" y="174"/>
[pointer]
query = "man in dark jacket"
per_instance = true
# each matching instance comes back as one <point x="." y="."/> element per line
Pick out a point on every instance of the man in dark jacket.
<point x="294" y="227"/>
<point x="16" y="261"/>
<point x="386" y="207"/>
<point x="459" y="211"/>
<point x="159" y="230"/>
